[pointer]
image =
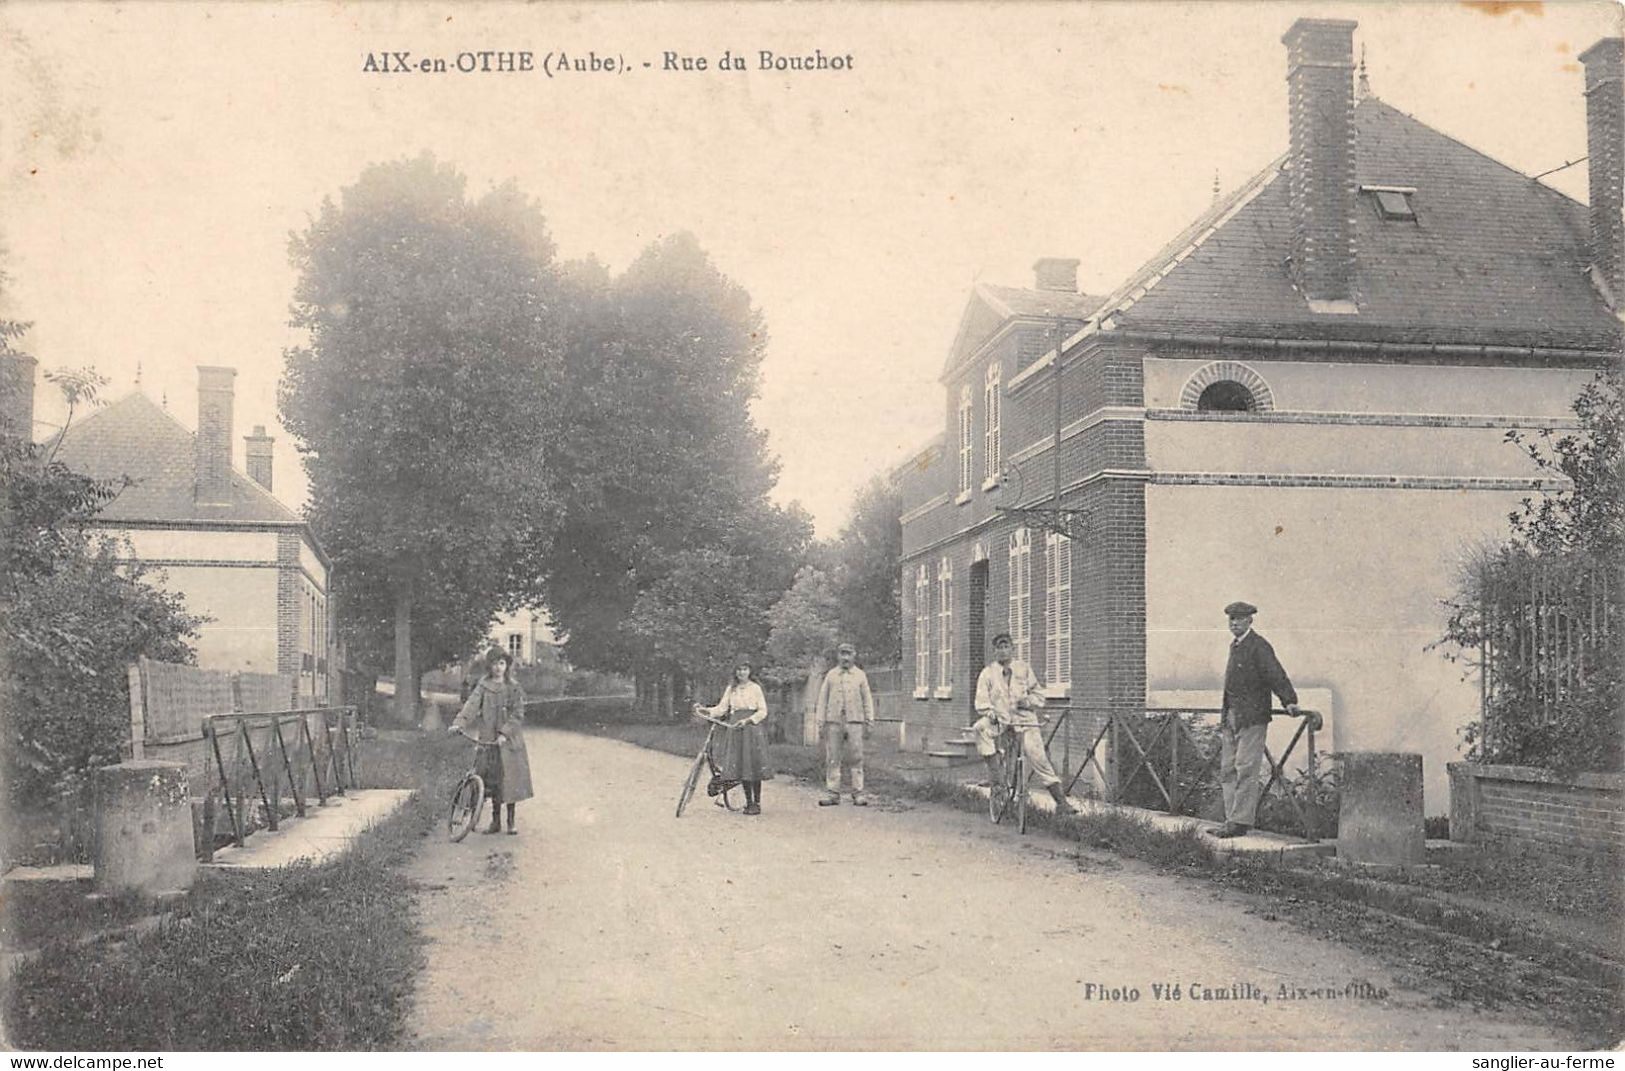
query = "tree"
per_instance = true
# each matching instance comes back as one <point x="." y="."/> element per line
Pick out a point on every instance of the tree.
<point x="1589" y="516"/>
<point x="866" y="574"/>
<point x="670" y="552"/>
<point x="804" y="625"/>
<point x="424" y="403"/>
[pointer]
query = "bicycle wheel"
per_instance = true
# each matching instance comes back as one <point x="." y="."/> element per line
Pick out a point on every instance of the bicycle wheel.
<point x="998" y="791"/>
<point x="466" y="802"/>
<point x="1018" y="785"/>
<point x="692" y="781"/>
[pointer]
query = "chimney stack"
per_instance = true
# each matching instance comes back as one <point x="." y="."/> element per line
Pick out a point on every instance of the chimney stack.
<point x="213" y="457"/>
<point x="1057" y="273"/>
<point x="17" y="395"/>
<point x="1320" y="98"/>
<point x="257" y="449"/>
<point x="1605" y="133"/>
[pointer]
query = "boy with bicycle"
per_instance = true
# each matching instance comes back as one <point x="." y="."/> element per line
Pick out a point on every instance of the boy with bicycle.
<point x="1008" y="696"/>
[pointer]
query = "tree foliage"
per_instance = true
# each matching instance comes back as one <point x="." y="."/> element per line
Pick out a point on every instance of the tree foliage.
<point x="1589" y="516"/>
<point x="865" y="578"/>
<point x="78" y="609"/>
<point x="670" y="552"/>
<point x="804" y="626"/>
<point x="424" y="402"/>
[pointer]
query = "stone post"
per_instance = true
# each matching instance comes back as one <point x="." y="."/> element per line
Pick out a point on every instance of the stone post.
<point x="1380" y="814"/>
<point x="143" y="828"/>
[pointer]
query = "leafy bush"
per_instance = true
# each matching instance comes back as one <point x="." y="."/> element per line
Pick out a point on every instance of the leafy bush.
<point x="77" y="611"/>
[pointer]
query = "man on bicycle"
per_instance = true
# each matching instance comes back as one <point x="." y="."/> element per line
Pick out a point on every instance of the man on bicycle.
<point x="1008" y="696"/>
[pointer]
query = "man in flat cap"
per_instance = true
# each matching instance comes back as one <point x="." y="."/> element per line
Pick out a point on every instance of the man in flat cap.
<point x="1251" y="674"/>
<point x="846" y="710"/>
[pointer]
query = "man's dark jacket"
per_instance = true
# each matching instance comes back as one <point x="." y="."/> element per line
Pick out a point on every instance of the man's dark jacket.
<point x="1252" y="673"/>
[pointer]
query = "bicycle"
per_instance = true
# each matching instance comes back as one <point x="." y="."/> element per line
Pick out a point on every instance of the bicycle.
<point x="702" y="761"/>
<point x="1007" y="795"/>
<point x="468" y="798"/>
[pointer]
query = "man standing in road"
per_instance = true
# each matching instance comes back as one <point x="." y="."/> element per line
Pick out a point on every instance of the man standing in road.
<point x="846" y="710"/>
<point x="1008" y="696"/>
<point x="1251" y="674"/>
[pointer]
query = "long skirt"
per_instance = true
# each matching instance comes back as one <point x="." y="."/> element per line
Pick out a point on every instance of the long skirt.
<point x="516" y="771"/>
<point x="744" y="755"/>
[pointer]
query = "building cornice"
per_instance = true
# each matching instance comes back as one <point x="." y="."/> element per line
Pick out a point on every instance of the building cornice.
<point x="1382" y="420"/>
<point x="1359" y="352"/>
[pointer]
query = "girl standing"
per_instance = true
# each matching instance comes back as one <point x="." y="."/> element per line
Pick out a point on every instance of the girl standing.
<point x="744" y="756"/>
<point x="495" y="712"/>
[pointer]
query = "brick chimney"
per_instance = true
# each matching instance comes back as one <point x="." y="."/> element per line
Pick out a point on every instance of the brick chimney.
<point x="1320" y="99"/>
<point x="257" y="449"/>
<point x="17" y="395"/>
<point x="1057" y="273"/>
<point x="1605" y="133"/>
<point x="213" y="450"/>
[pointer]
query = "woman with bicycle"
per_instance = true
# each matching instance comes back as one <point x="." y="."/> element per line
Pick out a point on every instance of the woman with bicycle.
<point x="744" y="751"/>
<point x="495" y="715"/>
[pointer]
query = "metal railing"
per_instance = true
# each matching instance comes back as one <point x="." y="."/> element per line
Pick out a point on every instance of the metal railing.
<point x="1128" y="759"/>
<point x="304" y="753"/>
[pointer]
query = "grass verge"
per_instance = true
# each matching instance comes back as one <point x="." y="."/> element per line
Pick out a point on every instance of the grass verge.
<point x="1474" y="951"/>
<point x="303" y="958"/>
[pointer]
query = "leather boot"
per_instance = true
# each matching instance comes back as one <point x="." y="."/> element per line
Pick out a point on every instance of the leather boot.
<point x="496" y="818"/>
<point x="511" y="827"/>
<point x="1062" y="804"/>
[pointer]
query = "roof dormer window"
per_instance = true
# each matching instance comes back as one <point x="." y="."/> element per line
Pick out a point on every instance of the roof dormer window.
<point x="1392" y="202"/>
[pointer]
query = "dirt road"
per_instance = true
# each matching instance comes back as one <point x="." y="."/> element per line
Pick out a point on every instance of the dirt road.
<point x="608" y="924"/>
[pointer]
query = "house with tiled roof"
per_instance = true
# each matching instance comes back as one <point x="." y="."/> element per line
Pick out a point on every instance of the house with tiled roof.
<point x="1300" y="401"/>
<point x="220" y="537"/>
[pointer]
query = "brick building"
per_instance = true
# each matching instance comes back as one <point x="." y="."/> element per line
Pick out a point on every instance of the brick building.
<point x="1300" y="401"/>
<point x="223" y="540"/>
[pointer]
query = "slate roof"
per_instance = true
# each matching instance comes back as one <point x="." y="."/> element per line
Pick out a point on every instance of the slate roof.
<point x="1021" y="302"/>
<point x="991" y="307"/>
<point x="135" y="437"/>
<point x="1493" y="257"/>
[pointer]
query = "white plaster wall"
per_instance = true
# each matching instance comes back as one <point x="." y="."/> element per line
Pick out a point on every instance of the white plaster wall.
<point x="313" y="566"/>
<point x="1388" y="388"/>
<point x="1349" y="585"/>
<point x="1224" y="446"/>
<point x="178" y="544"/>
<point x="242" y="603"/>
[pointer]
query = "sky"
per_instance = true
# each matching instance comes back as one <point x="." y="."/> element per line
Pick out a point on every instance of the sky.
<point x="155" y="158"/>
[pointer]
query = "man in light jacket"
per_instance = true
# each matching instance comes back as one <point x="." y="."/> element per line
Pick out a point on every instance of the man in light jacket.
<point x="1008" y="697"/>
<point x="845" y="709"/>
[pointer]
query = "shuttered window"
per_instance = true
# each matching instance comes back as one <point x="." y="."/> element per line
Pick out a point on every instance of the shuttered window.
<point x="1021" y="593"/>
<point x="945" y="624"/>
<point x="1058" y="610"/>
<point x="964" y="439"/>
<point x="922" y="628"/>
<point x="990" y="434"/>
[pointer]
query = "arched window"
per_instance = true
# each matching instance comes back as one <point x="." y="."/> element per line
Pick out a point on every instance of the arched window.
<point x="1226" y="387"/>
<point x="1226" y="396"/>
